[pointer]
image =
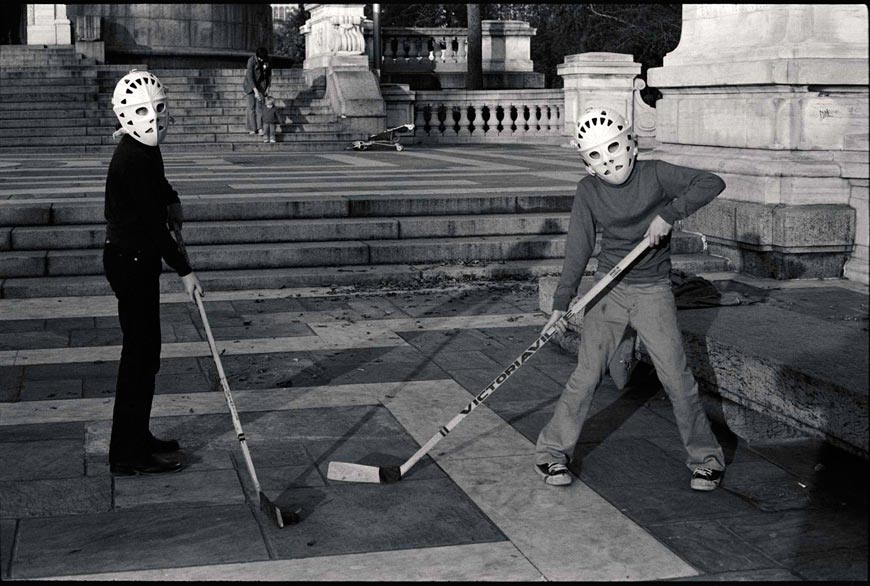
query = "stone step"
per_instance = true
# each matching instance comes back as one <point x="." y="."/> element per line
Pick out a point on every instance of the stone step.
<point x="399" y="204"/>
<point x="320" y="276"/>
<point x="301" y="254"/>
<point x="270" y="255"/>
<point x="308" y="230"/>
<point x="204" y="148"/>
<point x="234" y="132"/>
<point x="31" y="75"/>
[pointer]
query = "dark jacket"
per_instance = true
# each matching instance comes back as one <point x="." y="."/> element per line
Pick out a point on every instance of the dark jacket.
<point x="271" y="115"/>
<point x="257" y="75"/>
<point x="137" y="194"/>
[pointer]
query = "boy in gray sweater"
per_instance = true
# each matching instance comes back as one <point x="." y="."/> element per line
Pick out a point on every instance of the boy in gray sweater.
<point x="627" y="200"/>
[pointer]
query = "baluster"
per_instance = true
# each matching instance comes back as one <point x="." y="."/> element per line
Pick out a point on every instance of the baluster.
<point x="485" y="117"/>
<point x="389" y="51"/>
<point x="443" y="119"/>
<point x="557" y="116"/>
<point x="462" y="57"/>
<point x="413" y="50"/>
<point x="513" y="116"/>
<point x="537" y="118"/>
<point x="464" y="121"/>
<point x="440" y="49"/>
<point x="454" y="50"/>
<point x="420" y="120"/>
<point x="500" y="116"/>
<point x="431" y="47"/>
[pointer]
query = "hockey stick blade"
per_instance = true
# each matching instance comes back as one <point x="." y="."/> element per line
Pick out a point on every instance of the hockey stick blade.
<point x="276" y="514"/>
<point x="348" y="472"/>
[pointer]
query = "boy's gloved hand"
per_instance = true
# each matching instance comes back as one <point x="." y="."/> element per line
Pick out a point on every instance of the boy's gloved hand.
<point x="175" y="215"/>
<point x="657" y="231"/>
<point x="554" y="318"/>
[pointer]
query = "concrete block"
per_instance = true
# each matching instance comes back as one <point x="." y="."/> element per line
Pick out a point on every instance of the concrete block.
<point x="813" y="226"/>
<point x="52" y="238"/>
<point x="77" y="213"/>
<point x="278" y="255"/>
<point x="715" y="219"/>
<point x="74" y="262"/>
<point x="362" y="206"/>
<point x="24" y="214"/>
<point x="23" y="263"/>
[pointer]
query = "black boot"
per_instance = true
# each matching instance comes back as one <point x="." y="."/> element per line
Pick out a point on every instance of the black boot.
<point x="159" y="446"/>
<point x="151" y="464"/>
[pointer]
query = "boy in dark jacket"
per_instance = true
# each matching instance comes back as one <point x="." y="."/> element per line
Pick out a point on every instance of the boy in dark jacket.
<point x="627" y="200"/>
<point x="139" y="201"/>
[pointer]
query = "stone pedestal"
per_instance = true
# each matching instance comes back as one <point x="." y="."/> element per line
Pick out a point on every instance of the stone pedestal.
<point x="335" y="56"/>
<point x="399" y="101"/>
<point x="593" y="80"/>
<point x="47" y="24"/>
<point x="506" y="55"/>
<point x="774" y="99"/>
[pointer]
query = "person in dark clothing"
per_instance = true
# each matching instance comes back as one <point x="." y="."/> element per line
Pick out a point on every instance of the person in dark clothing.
<point x="258" y="78"/>
<point x="139" y="202"/>
<point x="628" y="200"/>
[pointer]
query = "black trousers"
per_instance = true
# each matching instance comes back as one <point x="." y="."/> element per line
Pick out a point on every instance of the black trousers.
<point x="135" y="280"/>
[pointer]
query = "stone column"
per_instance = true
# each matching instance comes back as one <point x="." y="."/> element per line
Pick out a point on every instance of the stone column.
<point x="593" y="80"/>
<point x="506" y="55"/>
<point x="335" y="55"/>
<point x="774" y="99"/>
<point x="47" y="24"/>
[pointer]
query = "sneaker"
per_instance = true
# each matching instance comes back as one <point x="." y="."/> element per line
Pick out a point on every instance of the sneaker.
<point x="265" y="140"/>
<point x="706" y="479"/>
<point x="271" y="140"/>
<point x="555" y="474"/>
<point x="251" y="132"/>
<point x="260" y="132"/>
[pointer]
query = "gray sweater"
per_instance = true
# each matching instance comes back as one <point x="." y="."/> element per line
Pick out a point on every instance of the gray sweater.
<point x="623" y="213"/>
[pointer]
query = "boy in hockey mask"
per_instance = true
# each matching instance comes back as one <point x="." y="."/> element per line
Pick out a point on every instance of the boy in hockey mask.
<point x="139" y="202"/>
<point x="627" y="200"/>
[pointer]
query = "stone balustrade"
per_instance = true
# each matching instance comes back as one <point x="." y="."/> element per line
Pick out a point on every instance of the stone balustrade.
<point x="489" y="116"/>
<point x="424" y="48"/>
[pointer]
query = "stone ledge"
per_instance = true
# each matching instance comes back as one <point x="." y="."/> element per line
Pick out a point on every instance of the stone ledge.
<point x="754" y="388"/>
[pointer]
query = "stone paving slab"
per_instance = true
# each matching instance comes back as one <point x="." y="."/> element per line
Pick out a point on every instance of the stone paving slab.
<point x="492" y="562"/>
<point x="631" y="515"/>
<point x="176" y="536"/>
<point x="351" y="519"/>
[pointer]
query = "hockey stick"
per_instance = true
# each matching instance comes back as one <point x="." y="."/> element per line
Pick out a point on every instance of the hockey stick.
<point x="267" y="506"/>
<point x="385" y="474"/>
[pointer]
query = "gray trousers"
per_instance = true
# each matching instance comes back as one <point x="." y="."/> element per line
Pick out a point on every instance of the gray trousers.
<point x="651" y="310"/>
<point x="254" y="117"/>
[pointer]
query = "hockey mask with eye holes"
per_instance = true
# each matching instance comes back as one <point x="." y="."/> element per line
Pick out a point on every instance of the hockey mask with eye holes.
<point x="607" y="145"/>
<point x="142" y="108"/>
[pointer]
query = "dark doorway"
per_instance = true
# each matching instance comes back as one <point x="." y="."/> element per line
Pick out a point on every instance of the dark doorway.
<point x="12" y="23"/>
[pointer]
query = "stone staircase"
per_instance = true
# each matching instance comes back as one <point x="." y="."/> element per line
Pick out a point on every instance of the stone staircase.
<point x="53" y="100"/>
<point x="55" y="249"/>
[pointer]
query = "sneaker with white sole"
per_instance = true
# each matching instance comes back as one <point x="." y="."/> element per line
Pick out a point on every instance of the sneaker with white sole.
<point x="706" y="479"/>
<point x="555" y="474"/>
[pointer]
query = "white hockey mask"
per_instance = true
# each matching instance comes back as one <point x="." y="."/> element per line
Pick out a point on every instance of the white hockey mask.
<point x="607" y="145"/>
<point x="142" y="108"/>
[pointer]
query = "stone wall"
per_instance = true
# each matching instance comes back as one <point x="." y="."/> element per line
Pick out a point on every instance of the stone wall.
<point x="180" y="35"/>
<point x="774" y="99"/>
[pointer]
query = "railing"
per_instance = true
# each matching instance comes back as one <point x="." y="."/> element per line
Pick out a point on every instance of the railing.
<point x="427" y="48"/>
<point x="484" y="116"/>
